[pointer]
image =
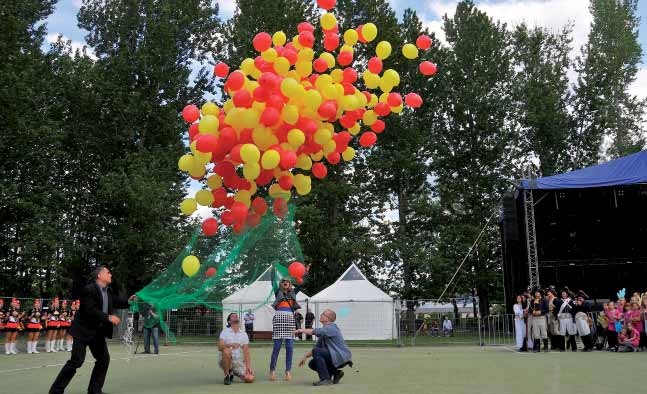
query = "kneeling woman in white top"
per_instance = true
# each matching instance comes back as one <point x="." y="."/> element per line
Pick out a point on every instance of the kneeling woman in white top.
<point x="234" y="352"/>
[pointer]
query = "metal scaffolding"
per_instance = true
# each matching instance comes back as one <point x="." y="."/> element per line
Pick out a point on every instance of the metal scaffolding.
<point x="531" y="235"/>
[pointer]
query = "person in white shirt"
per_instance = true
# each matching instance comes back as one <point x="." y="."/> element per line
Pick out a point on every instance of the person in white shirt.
<point x="447" y="327"/>
<point x="249" y="324"/>
<point x="233" y="355"/>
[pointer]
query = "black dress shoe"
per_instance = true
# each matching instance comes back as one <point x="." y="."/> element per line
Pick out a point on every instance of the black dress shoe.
<point x="338" y="376"/>
<point x="227" y="381"/>
<point x="325" y="382"/>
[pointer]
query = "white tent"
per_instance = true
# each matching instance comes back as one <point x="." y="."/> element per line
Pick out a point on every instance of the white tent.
<point x="465" y="308"/>
<point x="363" y="310"/>
<point x="259" y="293"/>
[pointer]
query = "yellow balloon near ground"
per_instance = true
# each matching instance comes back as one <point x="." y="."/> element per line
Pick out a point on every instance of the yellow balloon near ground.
<point x="279" y="38"/>
<point x="204" y="197"/>
<point x="410" y="51"/>
<point x="369" y="31"/>
<point x="383" y="49"/>
<point x="210" y="108"/>
<point x="282" y="65"/>
<point x="188" y="206"/>
<point x="312" y="99"/>
<point x="290" y="114"/>
<point x="250" y="153"/>
<point x="304" y="162"/>
<point x="190" y="265"/>
<point x="269" y="55"/>
<point x="289" y="87"/>
<point x="251" y="171"/>
<point x="271" y="159"/>
<point x="348" y="154"/>
<point x="296" y="138"/>
<point x="185" y="163"/>
<point x="214" y="181"/>
<point x="351" y="36"/>
<point x="328" y="21"/>
<point x="198" y="170"/>
<point x="369" y="117"/>
<point x="391" y="76"/>
<point x="209" y="125"/>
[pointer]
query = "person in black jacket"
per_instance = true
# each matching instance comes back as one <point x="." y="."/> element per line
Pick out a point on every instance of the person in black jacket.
<point x="92" y="324"/>
<point x="538" y="309"/>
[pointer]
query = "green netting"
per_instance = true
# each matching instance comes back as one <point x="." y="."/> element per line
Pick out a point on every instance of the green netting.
<point x="238" y="260"/>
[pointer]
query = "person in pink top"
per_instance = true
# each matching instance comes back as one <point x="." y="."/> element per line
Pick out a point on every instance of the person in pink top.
<point x="629" y="339"/>
<point x="613" y="316"/>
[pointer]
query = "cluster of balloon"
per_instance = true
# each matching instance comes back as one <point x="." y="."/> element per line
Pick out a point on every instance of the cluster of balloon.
<point x="290" y="114"/>
<point x="297" y="270"/>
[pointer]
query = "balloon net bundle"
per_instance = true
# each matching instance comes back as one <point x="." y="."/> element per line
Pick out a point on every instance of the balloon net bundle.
<point x="233" y="261"/>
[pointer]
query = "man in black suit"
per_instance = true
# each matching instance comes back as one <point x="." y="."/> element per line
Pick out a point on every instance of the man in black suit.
<point x="92" y="324"/>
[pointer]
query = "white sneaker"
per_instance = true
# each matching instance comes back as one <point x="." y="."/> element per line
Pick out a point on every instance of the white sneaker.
<point x="13" y="348"/>
<point x="29" y="347"/>
<point x="7" y="349"/>
<point x="48" y="346"/>
<point x="34" y="345"/>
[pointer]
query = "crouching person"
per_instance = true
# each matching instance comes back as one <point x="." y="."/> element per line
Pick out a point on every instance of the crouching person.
<point x="234" y="352"/>
<point x="330" y="353"/>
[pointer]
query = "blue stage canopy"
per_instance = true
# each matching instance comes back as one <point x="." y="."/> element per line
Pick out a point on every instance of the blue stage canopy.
<point x="626" y="170"/>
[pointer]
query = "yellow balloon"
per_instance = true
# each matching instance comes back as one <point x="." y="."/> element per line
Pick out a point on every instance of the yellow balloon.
<point x="369" y="117"/>
<point x="304" y="68"/>
<point x="269" y="55"/>
<point x="312" y="99"/>
<point x="301" y="180"/>
<point x="349" y="103"/>
<point x="385" y="86"/>
<point x="397" y="109"/>
<point x="354" y="130"/>
<point x="289" y="87"/>
<point x="185" y="163"/>
<point x="290" y="113"/>
<point x="348" y="154"/>
<point x="190" y="265"/>
<point x="271" y="159"/>
<point x="383" y="49"/>
<point x="198" y="170"/>
<point x="328" y="58"/>
<point x="251" y="171"/>
<point x="279" y="38"/>
<point x="296" y="138"/>
<point x="322" y="136"/>
<point x="392" y="77"/>
<point x="209" y="125"/>
<point x="346" y="48"/>
<point x="307" y="54"/>
<point x="249" y="118"/>
<point x="302" y="191"/>
<point x="371" y="80"/>
<point x="337" y="75"/>
<point x="243" y="196"/>
<point x="328" y="21"/>
<point x="304" y="162"/>
<point x="210" y="108"/>
<point x="282" y="65"/>
<point x="188" y="206"/>
<point x="317" y="156"/>
<point x="204" y="197"/>
<point x="329" y="147"/>
<point x="351" y="36"/>
<point x="214" y="181"/>
<point x="369" y="31"/>
<point x="247" y="66"/>
<point x="410" y="51"/>
<point x="250" y="153"/>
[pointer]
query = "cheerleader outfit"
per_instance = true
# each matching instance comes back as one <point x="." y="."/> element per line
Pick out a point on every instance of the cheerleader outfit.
<point x="53" y="324"/>
<point x="12" y="325"/>
<point x="33" y="325"/>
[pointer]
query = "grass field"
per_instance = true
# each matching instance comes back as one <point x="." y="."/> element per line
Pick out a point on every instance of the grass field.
<point x="428" y="369"/>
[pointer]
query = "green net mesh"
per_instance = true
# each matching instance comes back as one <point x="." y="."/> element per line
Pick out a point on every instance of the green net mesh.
<point x="238" y="261"/>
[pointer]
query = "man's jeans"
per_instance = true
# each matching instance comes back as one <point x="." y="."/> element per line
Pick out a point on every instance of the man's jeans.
<point x="147" y="339"/>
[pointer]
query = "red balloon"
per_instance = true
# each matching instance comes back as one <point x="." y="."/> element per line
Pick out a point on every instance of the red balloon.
<point x="206" y="142"/>
<point x="305" y="26"/>
<point x="319" y="170"/>
<point x="375" y="65"/>
<point x="288" y="160"/>
<point x="193" y="131"/>
<point x="331" y="41"/>
<point x="423" y="42"/>
<point x="328" y="109"/>
<point x="227" y="218"/>
<point x="378" y="126"/>
<point x="350" y="75"/>
<point x="299" y="281"/>
<point x="345" y="58"/>
<point x="333" y="158"/>
<point x="367" y="139"/>
<point x="269" y="81"/>
<point x="261" y="94"/>
<point x="229" y="202"/>
<point x="296" y="269"/>
<point x="382" y="109"/>
<point x="275" y="101"/>
<point x="209" y="227"/>
<point x="265" y="177"/>
<point x="210" y="272"/>
<point x="239" y="211"/>
<point x="320" y="65"/>
<point x="191" y="113"/>
<point x="219" y="197"/>
<point x="270" y="116"/>
<point x="360" y="35"/>
<point x="221" y="70"/>
<point x="326" y="4"/>
<point x="285" y="182"/>
<point x="394" y="99"/>
<point x="307" y="39"/>
<point x="280" y="207"/>
<point x="225" y="169"/>
<point x="236" y="80"/>
<point x="427" y="68"/>
<point x="243" y="99"/>
<point x="262" y="41"/>
<point x="259" y="205"/>
<point x="253" y="220"/>
<point x="413" y="100"/>
<point x="347" y="120"/>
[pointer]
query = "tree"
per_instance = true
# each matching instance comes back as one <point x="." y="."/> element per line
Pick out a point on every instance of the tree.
<point x="541" y="92"/>
<point x="603" y="108"/>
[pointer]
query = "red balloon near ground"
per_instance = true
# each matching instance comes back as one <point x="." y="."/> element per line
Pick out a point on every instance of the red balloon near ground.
<point x="221" y="70"/>
<point x="305" y="26"/>
<point x="319" y="170"/>
<point x="367" y="139"/>
<point x="413" y="100"/>
<point x="394" y="99"/>
<point x="307" y="39"/>
<point x="236" y="80"/>
<point x="331" y="41"/>
<point x="345" y="58"/>
<point x="239" y="211"/>
<point x="382" y="109"/>
<point x="191" y="113"/>
<point x="262" y="41"/>
<point x="427" y="68"/>
<point x="280" y="207"/>
<point x="378" y="126"/>
<point x="375" y="65"/>
<point x="209" y="227"/>
<point x="326" y="4"/>
<point x="259" y="205"/>
<point x="299" y="281"/>
<point x="296" y="269"/>
<point x="210" y="272"/>
<point x="424" y="42"/>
